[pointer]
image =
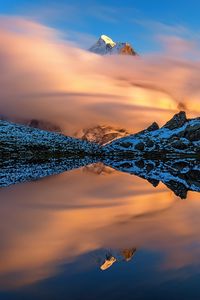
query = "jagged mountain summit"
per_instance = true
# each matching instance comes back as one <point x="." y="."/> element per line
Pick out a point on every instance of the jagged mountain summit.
<point x="106" y="46"/>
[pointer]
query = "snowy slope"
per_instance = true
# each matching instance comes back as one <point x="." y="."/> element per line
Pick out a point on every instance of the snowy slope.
<point x="23" y="140"/>
<point x="178" y="136"/>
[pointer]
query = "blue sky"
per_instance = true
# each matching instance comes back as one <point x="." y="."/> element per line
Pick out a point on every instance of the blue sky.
<point x="139" y="22"/>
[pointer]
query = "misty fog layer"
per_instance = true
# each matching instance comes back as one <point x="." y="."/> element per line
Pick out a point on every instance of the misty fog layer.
<point x="46" y="77"/>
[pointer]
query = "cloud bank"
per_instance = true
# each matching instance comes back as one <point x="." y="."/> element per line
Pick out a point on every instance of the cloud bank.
<point x="46" y="77"/>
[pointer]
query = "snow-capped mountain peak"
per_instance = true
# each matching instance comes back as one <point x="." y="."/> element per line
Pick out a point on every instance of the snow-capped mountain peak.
<point x="105" y="45"/>
<point x="107" y="40"/>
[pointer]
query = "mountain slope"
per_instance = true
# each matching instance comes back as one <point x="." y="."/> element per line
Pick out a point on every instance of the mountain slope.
<point x="21" y="140"/>
<point x="178" y="136"/>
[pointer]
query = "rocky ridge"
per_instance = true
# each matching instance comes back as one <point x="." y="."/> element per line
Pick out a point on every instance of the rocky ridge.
<point x="179" y="136"/>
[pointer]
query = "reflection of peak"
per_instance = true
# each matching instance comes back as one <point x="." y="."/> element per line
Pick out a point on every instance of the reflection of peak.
<point x="108" y="263"/>
<point x="128" y="253"/>
<point x="98" y="168"/>
<point x="108" y="257"/>
<point x="105" y="45"/>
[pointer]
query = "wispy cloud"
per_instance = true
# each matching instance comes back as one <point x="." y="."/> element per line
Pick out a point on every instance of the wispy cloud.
<point x="169" y="29"/>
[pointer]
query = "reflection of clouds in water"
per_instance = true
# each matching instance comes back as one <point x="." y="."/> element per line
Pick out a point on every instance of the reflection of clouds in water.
<point x="54" y="81"/>
<point x="51" y="80"/>
<point x="56" y="220"/>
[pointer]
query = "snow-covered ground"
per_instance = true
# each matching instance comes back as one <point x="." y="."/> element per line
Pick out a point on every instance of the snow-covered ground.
<point x="16" y="139"/>
<point x="178" y="136"/>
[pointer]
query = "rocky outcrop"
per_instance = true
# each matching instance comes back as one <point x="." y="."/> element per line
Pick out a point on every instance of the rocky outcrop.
<point x="177" y="121"/>
<point x="179" y="136"/>
<point x="101" y="134"/>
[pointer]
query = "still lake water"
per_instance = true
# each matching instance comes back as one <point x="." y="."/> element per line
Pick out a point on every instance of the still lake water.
<point x="85" y="235"/>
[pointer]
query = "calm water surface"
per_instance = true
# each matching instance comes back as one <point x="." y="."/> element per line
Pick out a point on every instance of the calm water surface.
<point x="84" y="235"/>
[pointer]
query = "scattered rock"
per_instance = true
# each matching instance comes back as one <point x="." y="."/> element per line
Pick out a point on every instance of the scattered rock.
<point x="140" y="164"/>
<point x="140" y="146"/>
<point x="179" y="145"/>
<point x="126" y="165"/>
<point x="149" y="143"/>
<point x="126" y="145"/>
<point x="149" y="167"/>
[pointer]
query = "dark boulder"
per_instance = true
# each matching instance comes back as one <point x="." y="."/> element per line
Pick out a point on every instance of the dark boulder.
<point x="140" y="146"/>
<point x="126" y="144"/>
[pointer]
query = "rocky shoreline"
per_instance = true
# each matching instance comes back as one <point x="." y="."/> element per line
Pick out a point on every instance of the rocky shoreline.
<point x="170" y="154"/>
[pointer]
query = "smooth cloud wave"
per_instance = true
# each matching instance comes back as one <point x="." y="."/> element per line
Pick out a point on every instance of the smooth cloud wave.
<point x="45" y="77"/>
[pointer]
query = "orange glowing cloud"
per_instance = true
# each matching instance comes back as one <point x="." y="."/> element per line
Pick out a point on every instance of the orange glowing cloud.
<point x="46" y="77"/>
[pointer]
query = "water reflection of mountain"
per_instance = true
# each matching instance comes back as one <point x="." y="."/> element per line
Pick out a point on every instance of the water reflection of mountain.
<point x="179" y="175"/>
<point x="105" y="258"/>
<point x="14" y="171"/>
